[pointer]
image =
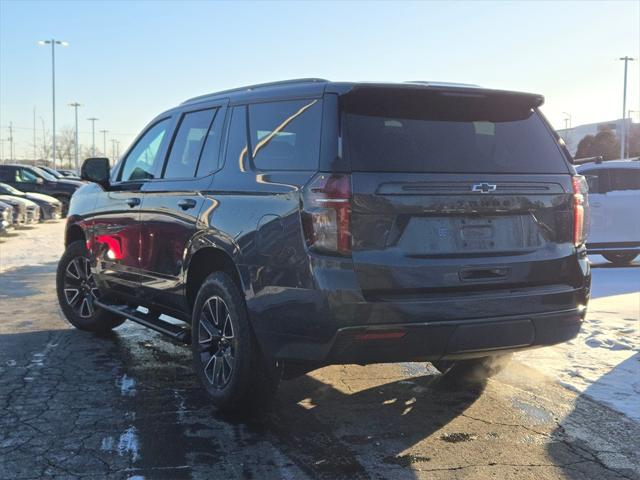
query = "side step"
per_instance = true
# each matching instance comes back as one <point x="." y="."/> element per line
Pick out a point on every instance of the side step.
<point x="149" y="320"/>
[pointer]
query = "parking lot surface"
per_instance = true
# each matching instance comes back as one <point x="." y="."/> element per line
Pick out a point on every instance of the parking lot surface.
<point x="74" y="405"/>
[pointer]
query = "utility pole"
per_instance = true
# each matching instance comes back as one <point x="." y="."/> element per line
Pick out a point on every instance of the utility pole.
<point x="35" y="155"/>
<point x="623" y="127"/>
<point x="53" y="43"/>
<point x="11" y="142"/>
<point x="93" y="135"/>
<point x="75" y="106"/>
<point x="567" y="126"/>
<point x="113" y="150"/>
<point x="104" y="142"/>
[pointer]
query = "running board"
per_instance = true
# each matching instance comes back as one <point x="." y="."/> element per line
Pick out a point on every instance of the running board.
<point x="149" y="320"/>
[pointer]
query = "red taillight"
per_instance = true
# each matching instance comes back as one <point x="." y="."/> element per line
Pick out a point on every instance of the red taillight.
<point x="580" y="210"/>
<point x="326" y="217"/>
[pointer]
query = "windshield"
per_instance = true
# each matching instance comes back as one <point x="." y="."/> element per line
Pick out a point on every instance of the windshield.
<point x="9" y="190"/>
<point x="52" y="172"/>
<point x="44" y="174"/>
<point x="414" y="132"/>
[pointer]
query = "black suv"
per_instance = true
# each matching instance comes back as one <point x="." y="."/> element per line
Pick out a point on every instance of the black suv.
<point x="286" y="226"/>
<point x="36" y="180"/>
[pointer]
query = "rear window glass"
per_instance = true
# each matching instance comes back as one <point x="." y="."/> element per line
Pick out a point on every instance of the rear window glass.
<point x="188" y="143"/>
<point x="448" y="134"/>
<point x="285" y="135"/>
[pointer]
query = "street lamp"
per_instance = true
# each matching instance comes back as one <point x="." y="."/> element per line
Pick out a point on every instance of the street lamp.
<point x="93" y="135"/>
<point x="567" y="126"/>
<point x="53" y="42"/>
<point x="75" y="106"/>
<point x="104" y="142"/>
<point x="626" y="59"/>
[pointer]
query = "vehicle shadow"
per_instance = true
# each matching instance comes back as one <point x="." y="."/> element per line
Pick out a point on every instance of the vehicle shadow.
<point x="325" y="430"/>
<point x="591" y="422"/>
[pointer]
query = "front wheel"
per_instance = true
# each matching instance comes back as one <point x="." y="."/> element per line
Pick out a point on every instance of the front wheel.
<point x="620" y="258"/>
<point x="78" y="292"/>
<point x="226" y="356"/>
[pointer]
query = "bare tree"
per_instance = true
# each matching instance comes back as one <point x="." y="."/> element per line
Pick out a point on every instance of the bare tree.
<point x="65" y="148"/>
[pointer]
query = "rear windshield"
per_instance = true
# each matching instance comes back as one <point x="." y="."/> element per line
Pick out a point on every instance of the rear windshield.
<point x="440" y="133"/>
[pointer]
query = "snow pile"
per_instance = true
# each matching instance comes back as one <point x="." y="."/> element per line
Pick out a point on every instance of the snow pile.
<point x="34" y="245"/>
<point x="603" y="360"/>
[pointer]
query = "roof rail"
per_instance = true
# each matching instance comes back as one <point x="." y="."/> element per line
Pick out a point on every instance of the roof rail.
<point x="254" y="87"/>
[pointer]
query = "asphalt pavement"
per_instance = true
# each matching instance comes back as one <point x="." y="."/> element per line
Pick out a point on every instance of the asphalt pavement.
<point x="126" y="405"/>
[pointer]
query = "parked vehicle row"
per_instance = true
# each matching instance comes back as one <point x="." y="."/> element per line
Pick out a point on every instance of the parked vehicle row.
<point x="24" y="206"/>
<point x="31" y="179"/>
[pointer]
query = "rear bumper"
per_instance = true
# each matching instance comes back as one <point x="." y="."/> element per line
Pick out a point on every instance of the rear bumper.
<point x="335" y="323"/>
<point x="432" y="341"/>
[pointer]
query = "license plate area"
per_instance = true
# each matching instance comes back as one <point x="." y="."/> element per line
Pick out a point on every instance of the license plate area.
<point x="452" y="235"/>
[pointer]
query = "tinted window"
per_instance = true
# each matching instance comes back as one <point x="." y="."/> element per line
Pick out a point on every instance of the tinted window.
<point x="418" y="132"/>
<point x="621" y="179"/>
<point x="187" y="144"/>
<point x="593" y="180"/>
<point x="285" y="135"/>
<point x="25" y="176"/>
<point x="209" y="157"/>
<point x="144" y="159"/>
<point x="237" y="143"/>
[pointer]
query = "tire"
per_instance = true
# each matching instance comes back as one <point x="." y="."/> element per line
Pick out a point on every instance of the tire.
<point x="620" y="258"/>
<point x="64" y="200"/>
<point x="77" y="292"/>
<point x="473" y="369"/>
<point x="226" y="356"/>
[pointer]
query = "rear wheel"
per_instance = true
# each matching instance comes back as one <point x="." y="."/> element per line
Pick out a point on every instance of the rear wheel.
<point x="620" y="258"/>
<point x="474" y="368"/>
<point x="77" y="292"/>
<point x="226" y="356"/>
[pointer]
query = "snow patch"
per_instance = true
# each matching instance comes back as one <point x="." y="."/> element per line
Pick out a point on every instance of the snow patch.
<point x="603" y="361"/>
<point x="127" y="386"/>
<point x="127" y="444"/>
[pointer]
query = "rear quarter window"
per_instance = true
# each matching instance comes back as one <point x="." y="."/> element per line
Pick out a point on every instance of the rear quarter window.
<point x="285" y="135"/>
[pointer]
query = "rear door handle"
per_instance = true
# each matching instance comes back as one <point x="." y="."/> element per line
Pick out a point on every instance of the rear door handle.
<point x="187" y="203"/>
<point x="133" y="202"/>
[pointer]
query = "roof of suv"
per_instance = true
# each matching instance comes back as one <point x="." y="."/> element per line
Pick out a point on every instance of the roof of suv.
<point x="317" y="86"/>
<point x="619" y="163"/>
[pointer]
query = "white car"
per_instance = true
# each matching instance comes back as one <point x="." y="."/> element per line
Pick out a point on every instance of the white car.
<point x="614" y="197"/>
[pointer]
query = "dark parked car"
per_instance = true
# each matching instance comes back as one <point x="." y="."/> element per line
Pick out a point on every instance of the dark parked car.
<point x="50" y="207"/>
<point x="33" y="179"/>
<point x="6" y="217"/>
<point x="68" y="173"/>
<point x="305" y="223"/>
<point x="60" y="174"/>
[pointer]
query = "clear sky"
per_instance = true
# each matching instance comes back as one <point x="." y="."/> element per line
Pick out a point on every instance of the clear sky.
<point x="128" y="61"/>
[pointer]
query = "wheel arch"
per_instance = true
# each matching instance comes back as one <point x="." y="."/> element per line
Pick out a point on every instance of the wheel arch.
<point x="205" y="261"/>
<point x="74" y="232"/>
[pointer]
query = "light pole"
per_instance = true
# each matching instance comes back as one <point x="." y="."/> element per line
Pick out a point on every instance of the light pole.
<point x="567" y="126"/>
<point x="75" y="106"/>
<point x="104" y="142"/>
<point x="53" y="42"/>
<point x="93" y="135"/>
<point x="623" y="127"/>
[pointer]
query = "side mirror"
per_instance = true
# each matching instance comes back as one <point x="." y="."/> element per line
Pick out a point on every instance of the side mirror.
<point x="96" y="170"/>
<point x="39" y="181"/>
